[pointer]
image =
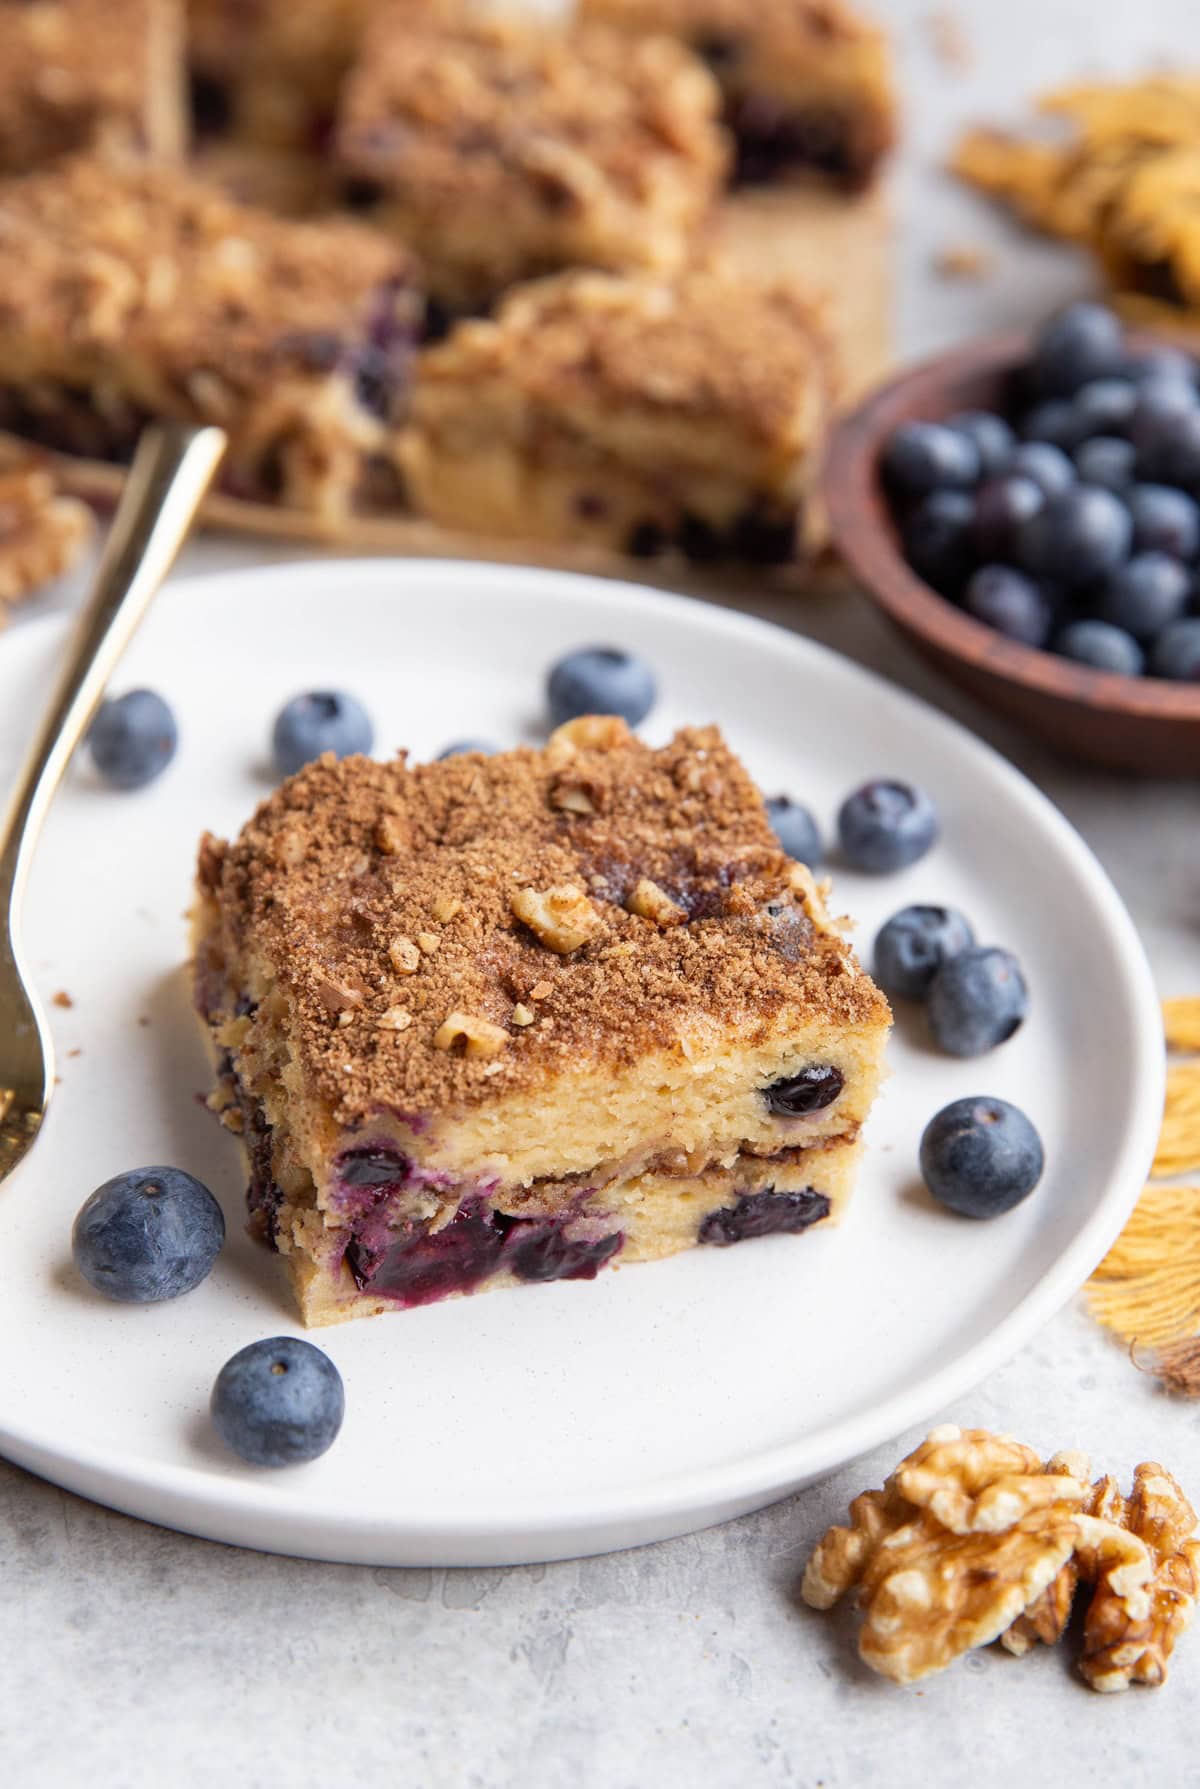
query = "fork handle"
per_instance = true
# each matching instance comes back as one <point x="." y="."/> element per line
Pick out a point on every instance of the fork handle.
<point x="171" y="471"/>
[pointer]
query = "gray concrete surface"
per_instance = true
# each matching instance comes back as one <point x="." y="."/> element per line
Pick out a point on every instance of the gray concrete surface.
<point x="132" y="1658"/>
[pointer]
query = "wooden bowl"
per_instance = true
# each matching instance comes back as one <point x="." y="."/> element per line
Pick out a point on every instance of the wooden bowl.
<point x="1126" y="723"/>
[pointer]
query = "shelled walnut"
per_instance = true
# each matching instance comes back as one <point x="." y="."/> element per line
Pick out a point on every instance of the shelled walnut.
<point x="973" y="1539"/>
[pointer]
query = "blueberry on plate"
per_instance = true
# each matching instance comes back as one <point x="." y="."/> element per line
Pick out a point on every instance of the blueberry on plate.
<point x="1164" y="521"/>
<point x="993" y="438"/>
<point x="1010" y="602"/>
<point x="133" y="739"/>
<point x="913" y="945"/>
<point x="1107" y="460"/>
<point x="278" y="1402"/>
<point x="601" y="680"/>
<point x="149" y="1234"/>
<point x="1048" y="466"/>
<point x="316" y="722"/>
<point x="1002" y="507"/>
<point x="461" y="747"/>
<point x="886" y="825"/>
<point x="1076" y="537"/>
<point x="1144" y="595"/>
<point x="1101" y="646"/>
<point x="939" y="542"/>
<point x="795" y="829"/>
<point x="1176" y="652"/>
<point x="977" y="1000"/>
<point x="920" y="457"/>
<point x="981" y="1156"/>
<point x="1080" y="343"/>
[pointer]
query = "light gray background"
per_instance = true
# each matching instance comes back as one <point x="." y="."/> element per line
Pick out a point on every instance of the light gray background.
<point x="134" y="1657"/>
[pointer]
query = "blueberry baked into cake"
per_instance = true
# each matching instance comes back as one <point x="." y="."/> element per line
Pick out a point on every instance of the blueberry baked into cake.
<point x="807" y="84"/>
<point x="77" y="74"/>
<point x="130" y="290"/>
<point x="491" y="1021"/>
<point x="502" y="148"/>
<point x="634" y="413"/>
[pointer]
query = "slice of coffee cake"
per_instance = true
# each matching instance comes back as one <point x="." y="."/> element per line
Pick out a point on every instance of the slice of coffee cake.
<point x="495" y="1020"/>
<point x="807" y="84"/>
<point x="636" y="413"/>
<point x="131" y="290"/>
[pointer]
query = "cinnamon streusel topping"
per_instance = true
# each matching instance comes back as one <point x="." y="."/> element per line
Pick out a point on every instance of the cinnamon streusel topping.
<point x="704" y="345"/>
<point x="104" y="257"/>
<point x="308" y="900"/>
<point x="449" y="99"/>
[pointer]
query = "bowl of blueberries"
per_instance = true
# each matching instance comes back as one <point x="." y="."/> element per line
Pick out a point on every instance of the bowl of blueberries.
<point x="1027" y="510"/>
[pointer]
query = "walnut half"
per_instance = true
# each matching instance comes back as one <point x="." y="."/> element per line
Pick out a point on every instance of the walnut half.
<point x="563" y="917"/>
<point x="973" y="1539"/>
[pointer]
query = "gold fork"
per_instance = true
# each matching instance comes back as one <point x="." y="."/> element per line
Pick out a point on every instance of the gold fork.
<point x="172" y="469"/>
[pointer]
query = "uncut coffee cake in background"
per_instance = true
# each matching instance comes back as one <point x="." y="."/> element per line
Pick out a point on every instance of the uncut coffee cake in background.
<point x="492" y="1021"/>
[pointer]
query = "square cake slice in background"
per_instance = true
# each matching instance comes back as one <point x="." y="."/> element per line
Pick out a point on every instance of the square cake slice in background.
<point x="502" y="149"/>
<point x="130" y="290"/>
<point x="635" y="414"/>
<point x="498" y="1020"/>
<point x="807" y="84"/>
<point x="78" y="74"/>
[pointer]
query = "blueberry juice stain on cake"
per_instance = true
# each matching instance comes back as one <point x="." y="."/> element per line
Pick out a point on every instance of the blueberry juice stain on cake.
<point x="413" y="1263"/>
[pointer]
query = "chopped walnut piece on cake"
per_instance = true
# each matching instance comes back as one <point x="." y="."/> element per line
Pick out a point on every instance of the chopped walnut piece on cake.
<point x="640" y="414"/>
<point x="130" y="290"/>
<point x="42" y="533"/>
<point x="503" y="148"/>
<point x="561" y="1083"/>
<point x="807" y="84"/>
<point x="972" y="1539"/>
<point x="90" y="74"/>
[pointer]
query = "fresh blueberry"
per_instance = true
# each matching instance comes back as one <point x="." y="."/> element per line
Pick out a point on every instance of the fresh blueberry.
<point x="1106" y="460"/>
<point x="993" y="438"/>
<point x="795" y="829"/>
<point x="278" y="1402"/>
<point x="1102" y="646"/>
<point x="1164" y="399"/>
<point x="461" y="747"/>
<point x="1081" y="343"/>
<point x="1009" y="602"/>
<point x="913" y="945"/>
<point x="977" y="1000"/>
<point x="1144" y="595"/>
<point x="1076" y="537"/>
<point x="1055" y="422"/>
<point x="601" y="680"/>
<point x="1161" y="363"/>
<point x="938" y="541"/>
<point x="886" y="825"/>
<point x="150" y="1234"/>
<point x="981" y="1156"/>
<point x="1168" y="445"/>
<point x="1002" y="507"/>
<point x="1176" y="652"/>
<point x="316" y="722"/>
<point x="1104" y="407"/>
<point x="133" y="739"/>
<point x="798" y="1096"/>
<point x="920" y="457"/>
<point x="1048" y="467"/>
<point x="1164" y="521"/>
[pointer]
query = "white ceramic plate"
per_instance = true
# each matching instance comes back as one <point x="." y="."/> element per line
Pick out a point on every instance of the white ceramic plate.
<point x="563" y="1419"/>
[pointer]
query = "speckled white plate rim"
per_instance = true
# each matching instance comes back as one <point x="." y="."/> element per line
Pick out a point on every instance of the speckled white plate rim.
<point x="247" y="1512"/>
